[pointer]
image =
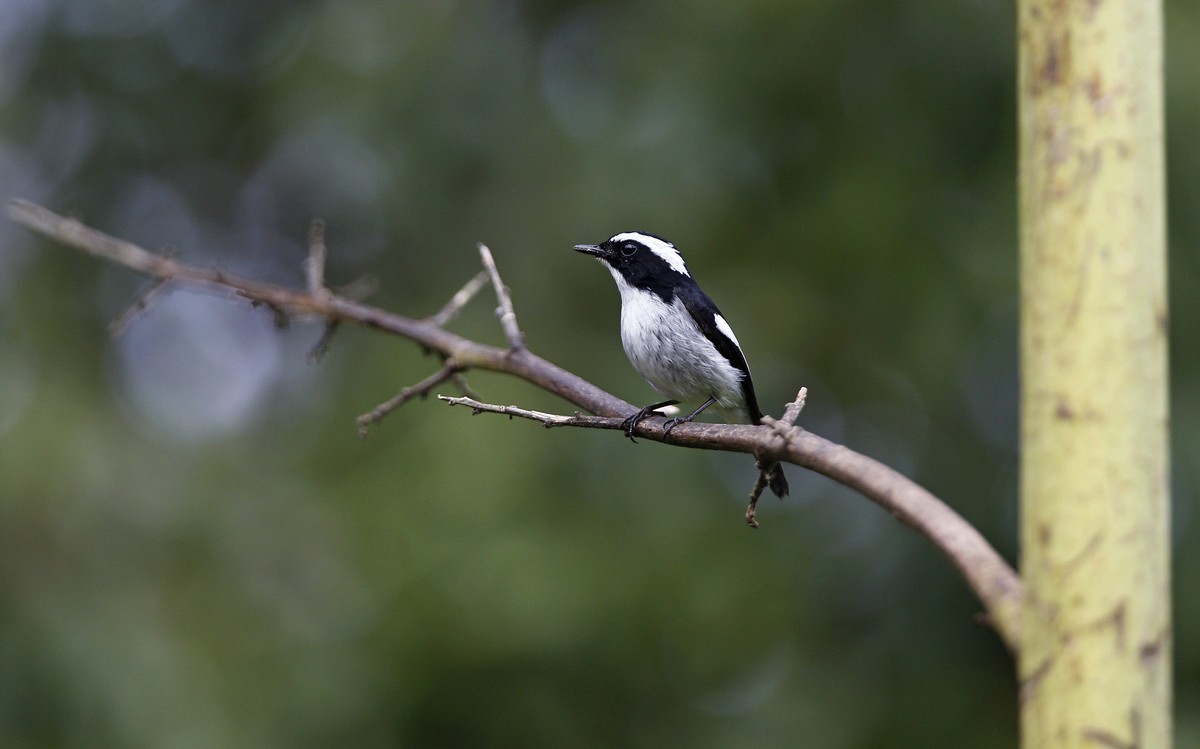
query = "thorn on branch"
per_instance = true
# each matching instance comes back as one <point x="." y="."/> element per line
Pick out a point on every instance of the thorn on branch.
<point x="508" y="318"/>
<point x="421" y="389"/>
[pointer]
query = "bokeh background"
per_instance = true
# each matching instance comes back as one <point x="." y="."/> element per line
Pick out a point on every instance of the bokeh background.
<point x="196" y="549"/>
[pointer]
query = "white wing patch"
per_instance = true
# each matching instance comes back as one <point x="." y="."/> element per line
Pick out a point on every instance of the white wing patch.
<point x="728" y="331"/>
<point x="660" y="247"/>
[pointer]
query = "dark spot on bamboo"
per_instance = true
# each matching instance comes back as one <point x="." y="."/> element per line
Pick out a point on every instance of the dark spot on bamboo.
<point x="1150" y="651"/>
<point x="1056" y="67"/>
<point x="1044" y="534"/>
<point x="1101" y="100"/>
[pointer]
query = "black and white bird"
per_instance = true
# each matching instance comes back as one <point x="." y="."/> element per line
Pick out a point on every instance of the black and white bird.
<point x="675" y="336"/>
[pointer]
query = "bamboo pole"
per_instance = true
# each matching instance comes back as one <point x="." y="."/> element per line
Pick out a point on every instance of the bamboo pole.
<point x="1095" y="659"/>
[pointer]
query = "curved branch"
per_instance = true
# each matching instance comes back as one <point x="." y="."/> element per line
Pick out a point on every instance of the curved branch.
<point x="991" y="578"/>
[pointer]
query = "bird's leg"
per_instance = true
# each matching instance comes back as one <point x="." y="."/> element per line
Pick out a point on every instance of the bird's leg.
<point x="672" y="423"/>
<point x="631" y="423"/>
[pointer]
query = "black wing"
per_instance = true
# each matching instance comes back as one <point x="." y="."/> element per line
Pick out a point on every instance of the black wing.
<point x="704" y="312"/>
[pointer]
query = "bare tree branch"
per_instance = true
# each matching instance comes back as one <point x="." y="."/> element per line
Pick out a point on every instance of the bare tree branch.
<point x="421" y="389"/>
<point x="760" y="483"/>
<point x="508" y="318"/>
<point x="314" y="266"/>
<point x="547" y="420"/>
<point x="791" y="412"/>
<point x="461" y="383"/>
<point x="358" y="289"/>
<point x="991" y="578"/>
<point x="782" y="427"/>
<point x="322" y="345"/>
<point x="460" y="299"/>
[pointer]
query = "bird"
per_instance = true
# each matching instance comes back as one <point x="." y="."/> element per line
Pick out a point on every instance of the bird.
<point x="675" y="337"/>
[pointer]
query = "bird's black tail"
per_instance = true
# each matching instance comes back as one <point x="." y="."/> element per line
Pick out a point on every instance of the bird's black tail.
<point x="777" y="481"/>
<point x="775" y="478"/>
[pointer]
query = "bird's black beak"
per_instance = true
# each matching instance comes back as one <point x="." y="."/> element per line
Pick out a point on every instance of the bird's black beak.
<point x="592" y="249"/>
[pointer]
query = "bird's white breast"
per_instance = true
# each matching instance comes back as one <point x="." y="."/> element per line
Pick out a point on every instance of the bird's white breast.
<point x="666" y="347"/>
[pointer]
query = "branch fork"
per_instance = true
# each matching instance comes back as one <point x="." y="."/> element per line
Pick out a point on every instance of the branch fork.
<point x="451" y="369"/>
<point x="783" y="428"/>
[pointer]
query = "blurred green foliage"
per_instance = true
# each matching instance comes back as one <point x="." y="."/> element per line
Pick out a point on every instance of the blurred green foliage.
<point x="197" y="551"/>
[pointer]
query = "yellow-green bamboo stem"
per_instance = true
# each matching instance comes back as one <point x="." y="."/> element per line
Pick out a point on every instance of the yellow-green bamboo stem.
<point x="1095" y="660"/>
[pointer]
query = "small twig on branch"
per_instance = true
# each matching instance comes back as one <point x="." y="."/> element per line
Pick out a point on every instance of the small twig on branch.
<point x="358" y="289"/>
<point x="314" y="273"/>
<point x="760" y="483"/>
<point x="508" y="318"/>
<point x="319" y="348"/>
<point x="449" y="371"/>
<point x="314" y="266"/>
<point x="421" y="389"/>
<point x="461" y="383"/>
<point x="148" y="297"/>
<point x="992" y="579"/>
<point x="792" y="411"/>
<point x="781" y="427"/>
<point x="547" y="420"/>
<point x="460" y="299"/>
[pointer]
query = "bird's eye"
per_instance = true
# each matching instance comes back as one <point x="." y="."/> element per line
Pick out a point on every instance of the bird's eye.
<point x="628" y="249"/>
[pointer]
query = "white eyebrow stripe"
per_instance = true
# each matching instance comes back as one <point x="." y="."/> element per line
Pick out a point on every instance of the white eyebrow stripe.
<point x="660" y="247"/>
<point x="728" y="331"/>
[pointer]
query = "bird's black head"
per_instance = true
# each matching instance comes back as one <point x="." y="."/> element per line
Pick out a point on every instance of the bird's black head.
<point x="641" y="260"/>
